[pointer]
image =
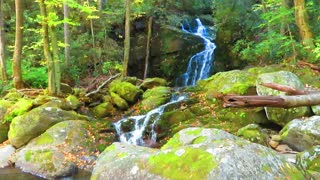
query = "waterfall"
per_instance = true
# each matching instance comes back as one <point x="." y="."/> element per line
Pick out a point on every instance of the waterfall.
<point x="199" y="67"/>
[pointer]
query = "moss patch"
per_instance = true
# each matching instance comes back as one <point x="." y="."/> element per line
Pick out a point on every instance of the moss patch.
<point x="44" y="139"/>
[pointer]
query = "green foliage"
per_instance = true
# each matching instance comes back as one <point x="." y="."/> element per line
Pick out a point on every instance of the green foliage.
<point x="111" y="66"/>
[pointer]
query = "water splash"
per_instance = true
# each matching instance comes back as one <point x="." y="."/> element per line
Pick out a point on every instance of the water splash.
<point x="141" y="122"/>
<point x="200" y="64"/>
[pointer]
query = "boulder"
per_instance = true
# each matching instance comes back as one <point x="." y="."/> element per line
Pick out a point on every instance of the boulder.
<point x="309" y="161"/>
<point x="42" y="99"/>
<point x="19" y="108"/>
<point x="103" y="110"/>
<point x="119" y="102"/>
<point x="281" y="116"/>
<point x="195" y="153"/>
<point x="59" y="151"/>
<point x="254" y="133"/>
<point x="6" y="152"/>
<point x="125" y="90"/>
<point x="32" y="124"/>
<point x="73" y="101"/>
<point x="13" y="95"/>
<point x="150" y="83"/>
<point x="155" y="97"/>
<point x="302" y="134"/>
<point x="4" y="127"/>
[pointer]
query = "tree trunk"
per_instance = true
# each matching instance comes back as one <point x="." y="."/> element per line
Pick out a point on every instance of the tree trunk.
<point x="66" y="35"/>
<point x="3" y="71"/>
<point x="16" y="66"/>
<point x="148" y="47"/>
<point x="302" y="23"/>
<point x="272" y="101"/>
<point x="126" y="40"/>
<point x="56" y="61"/>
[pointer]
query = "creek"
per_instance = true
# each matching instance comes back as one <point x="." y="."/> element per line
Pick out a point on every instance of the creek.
<point x="199" y="67"/>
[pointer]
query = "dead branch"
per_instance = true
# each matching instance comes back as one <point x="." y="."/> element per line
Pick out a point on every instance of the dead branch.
<point x="103" y="84"/>
<point x="288" y="89"/>
<point x="312" y="66"/>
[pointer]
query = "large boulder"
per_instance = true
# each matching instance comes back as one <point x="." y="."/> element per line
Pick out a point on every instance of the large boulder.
<point x="195" y="153"/>
<point x="102" y="110"/>
<point x="59" y="151"/>
<point x="32" y="124"/>
<point x="4" y="126"/>
<point x="19" y="108"/>
<point x="126" y="90"/>
<point x="309" y="161"/>
<point x="302" y="134"/>
<point x="150" y="83"/>
<point x="155" y="97"/>
<point x="281" y="116"/>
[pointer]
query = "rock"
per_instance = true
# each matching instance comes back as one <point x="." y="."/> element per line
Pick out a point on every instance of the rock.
<point x="281" y="116"/>
<point x="59" y="103"/>
<point x="65" y="88"/>
<point x="283" y="148"/>
<point x="58" y="151"/>
<point x="73" y="101"/>
<point x="155" y="97"/>
<point x="150" y="83"/>
<point x="6" y="152"/>
<point x="125" y="90"/>
<point x="315" y="110"/>
<point x="13" y="95"/>
<point x="42" y="99"/>
<point x="4" y="127"/>
<point x="32" y="124"/>
<point x="119" y="102"/>
<point x="103" y="110"/>
<point x="196" y="153"/>
<point x="302" y="134"/>
<point x="19" y="108"/>
<point x="273" y="144"/>
<point x="309" y="161"/>
<point x="253" y="133"/>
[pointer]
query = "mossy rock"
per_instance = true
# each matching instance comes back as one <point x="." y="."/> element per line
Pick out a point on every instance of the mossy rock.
<point x="73" y="101"/>
<point x="13" y="95"/>
<point x="150" y="83"/>
<point x="58" y="151"/>
<point x="119" y="102"/>
<point x="281" y="116"/>
<point x="309" y="161"/>
<point x="42" y="99"/>
<point x="253" y="133"/>
<point x="103" y="110"/>
<point x="4" y="129"/>
<point x="33" y="123"/>
<point x="58" y="103"/>
<point x="125" y="90"/>
<point x="22" y="106"/>
<point x="155" y="97"/>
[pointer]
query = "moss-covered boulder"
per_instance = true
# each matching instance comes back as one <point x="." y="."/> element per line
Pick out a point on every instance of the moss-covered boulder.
<point x="302" y="134"/>
<point x="281" y="116"/>
<point x="32" y="124"/>
<point x="103" y="110"/>
<point x="118" y="101"/>
<point x="309" y="161"/>
<point x="4" y="126"/>
<point x="125" y="90"/>
<point x="73" y="101"/>
<point x="155" y="97"/>
<point x="60" y="150"/>
<point x="254" y="133"/>
<point x="19" y="108"/>
<point x="150" y="83"/>
<point x="13" y="95"/>
<point x="195" y="153"/>
<point x="42" y="99"/>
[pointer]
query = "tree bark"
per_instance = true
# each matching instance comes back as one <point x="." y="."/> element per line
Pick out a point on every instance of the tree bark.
<point x="3" y="71"/>
<point x="148" y="47"/>
<point x="66" y="35"/>
<point x="302" y="23"/>
<point x="272" y="101"/>
<point x="126" y="40"/>
<point x="16" y="66"/>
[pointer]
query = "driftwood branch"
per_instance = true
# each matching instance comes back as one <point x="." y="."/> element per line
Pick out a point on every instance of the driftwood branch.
<point x="288" y="89"/>
<point x="272" y="101"/>
<point x="103" y="84"/>
<point x="312" y="66"/>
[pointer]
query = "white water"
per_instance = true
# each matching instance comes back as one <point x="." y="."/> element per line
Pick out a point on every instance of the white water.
<point x="200" y="64"/>
<point x="199" y="67"/>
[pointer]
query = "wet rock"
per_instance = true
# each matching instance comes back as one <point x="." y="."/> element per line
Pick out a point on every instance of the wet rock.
<point x="281" y="116"/>
<point x="302" y="134"/>
<point x="198" y="153"/>
<point x="309" y="161"/>
<point x="6" y="152"/>
<point x="125" y="90"/>
<point x="155" y="97"/>
<point x="150" y="83"/>
<point x="58" y="151"/>
<point x="30" y="125"/>
<point x="253" y="133"/>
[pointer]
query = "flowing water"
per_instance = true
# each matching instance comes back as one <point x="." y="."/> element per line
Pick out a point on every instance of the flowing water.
<point x="199" y="67"/>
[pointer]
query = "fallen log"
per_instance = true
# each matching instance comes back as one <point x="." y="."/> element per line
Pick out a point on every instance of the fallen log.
<point x="288" y="89"/>
<point x="272" y="101"/>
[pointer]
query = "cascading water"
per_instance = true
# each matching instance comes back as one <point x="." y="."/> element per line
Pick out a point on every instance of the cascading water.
<point x="199" y="67"/>
<point x="200" y="64"/>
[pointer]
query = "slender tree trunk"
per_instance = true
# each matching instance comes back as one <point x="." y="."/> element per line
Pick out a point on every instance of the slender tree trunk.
<point x="126" y="40"/>
<point x="302" y="23"/>
<point x="56" y="61"/>
<point x="66" y="35"/>
<point x="3" y="71"/>
<point x="148" y="48"/>
<point x="16" y="66"/>
<point x="102" y="4"/>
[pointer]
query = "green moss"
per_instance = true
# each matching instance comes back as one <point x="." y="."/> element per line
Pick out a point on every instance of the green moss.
<point x="173" y="142"/>
<point x="44" y="139"/>
<point x="28" y="155"/>
<point x="43" y="158"/>
<point x="125" y="90"/>
<point x="199" y="140"/>
<point x="118" y="101"/>
<point x="186" y="163"/>
<point x="194" y="132"/>
<point x="19" y="108"/>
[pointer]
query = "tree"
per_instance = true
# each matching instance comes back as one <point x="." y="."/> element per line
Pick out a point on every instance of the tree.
<point x="127" y="39"/>
<point x="52" y="58"/>
<point x="148" y="47"/>
<point x="3" y="72"/>
<point x="66" y="34"/>
<point x="16" y="67"/>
